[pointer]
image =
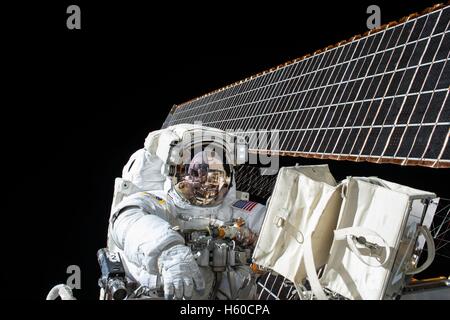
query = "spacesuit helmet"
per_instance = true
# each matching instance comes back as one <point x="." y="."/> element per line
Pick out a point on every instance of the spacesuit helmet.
<point x="204" y="177"/>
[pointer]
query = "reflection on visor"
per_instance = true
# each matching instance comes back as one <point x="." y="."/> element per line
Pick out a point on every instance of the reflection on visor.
<point x="205" y="181"/>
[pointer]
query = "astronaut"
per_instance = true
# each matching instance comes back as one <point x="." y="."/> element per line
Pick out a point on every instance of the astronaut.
<point x="176" y="222"/>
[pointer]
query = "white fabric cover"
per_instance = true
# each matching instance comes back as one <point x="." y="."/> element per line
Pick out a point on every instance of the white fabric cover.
<point x="305" y="203"/>
<point x="371" y="207"/>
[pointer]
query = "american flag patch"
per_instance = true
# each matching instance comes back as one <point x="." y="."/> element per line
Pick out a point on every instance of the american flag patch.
<point x="245" y="205"/>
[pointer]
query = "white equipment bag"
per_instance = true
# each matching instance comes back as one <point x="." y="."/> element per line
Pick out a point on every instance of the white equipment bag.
<point x="375" y="238"/>
<point x="364" y="231"/>
<point x="305" y="199"/>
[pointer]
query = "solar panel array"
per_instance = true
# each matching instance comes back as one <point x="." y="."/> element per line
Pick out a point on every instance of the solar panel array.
<point x="381" y="97"/>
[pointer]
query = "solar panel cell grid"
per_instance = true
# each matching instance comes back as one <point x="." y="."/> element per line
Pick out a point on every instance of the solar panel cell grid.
<point x="382" y="95"/>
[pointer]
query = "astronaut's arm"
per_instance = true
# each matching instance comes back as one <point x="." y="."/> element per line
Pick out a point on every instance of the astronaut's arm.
<point x="143" y="237"/>
<point x="149" y="241"/>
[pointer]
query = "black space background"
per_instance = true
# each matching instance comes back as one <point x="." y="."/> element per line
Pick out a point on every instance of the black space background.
<point x="76" y="104"/>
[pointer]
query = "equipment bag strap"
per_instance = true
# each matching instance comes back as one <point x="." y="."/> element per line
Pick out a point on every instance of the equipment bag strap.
<point x="308" y="255"/>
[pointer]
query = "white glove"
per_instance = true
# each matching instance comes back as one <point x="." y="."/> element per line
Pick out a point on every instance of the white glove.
<point x="180" y="272"/>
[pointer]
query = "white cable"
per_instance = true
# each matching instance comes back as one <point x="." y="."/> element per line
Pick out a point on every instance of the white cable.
<point x="61" y="290"/>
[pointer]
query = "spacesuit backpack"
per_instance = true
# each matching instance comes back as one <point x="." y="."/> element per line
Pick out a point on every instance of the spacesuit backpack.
<point x="141" y="172"/>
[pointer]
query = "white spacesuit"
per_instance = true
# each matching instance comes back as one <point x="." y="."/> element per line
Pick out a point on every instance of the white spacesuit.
<point x="176" y="222"/>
